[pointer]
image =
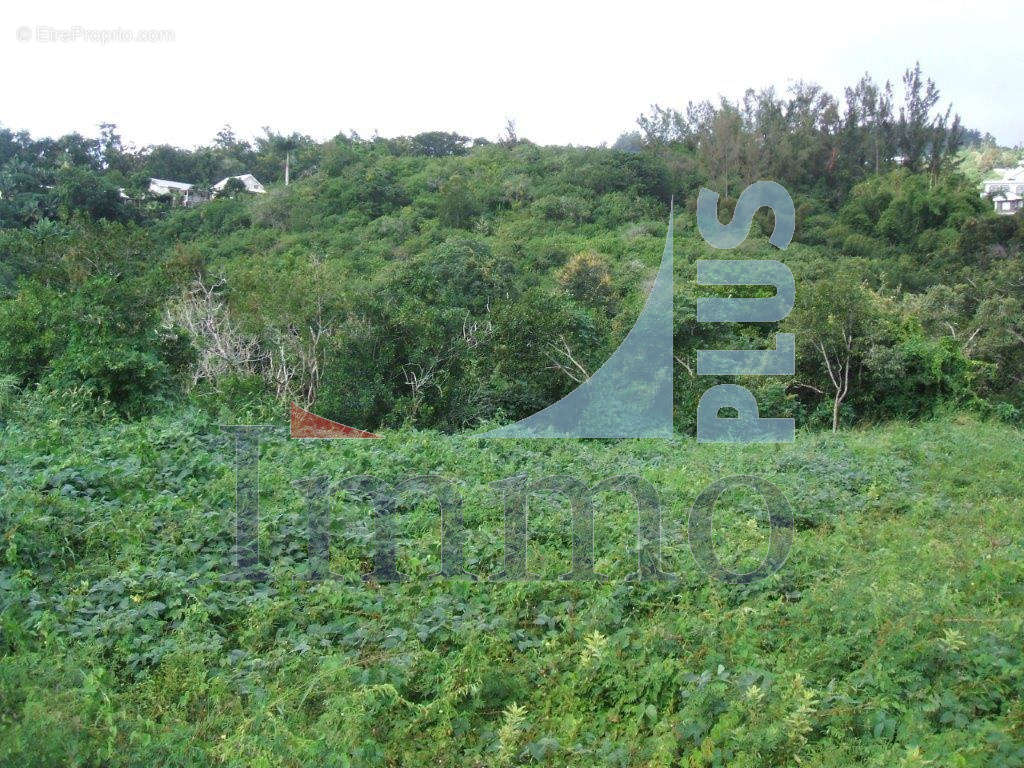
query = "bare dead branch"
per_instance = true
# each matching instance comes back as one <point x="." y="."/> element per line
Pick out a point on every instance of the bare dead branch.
<point x="686" y="365"/>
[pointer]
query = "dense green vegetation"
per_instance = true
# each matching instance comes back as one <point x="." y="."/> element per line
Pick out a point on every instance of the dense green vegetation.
<point x="428" y="286"/>
<point x="892" y="636"/>
<point x="428" y="282"/>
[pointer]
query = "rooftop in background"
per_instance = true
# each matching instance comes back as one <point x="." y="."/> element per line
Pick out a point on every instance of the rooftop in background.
<point x="1006" y="189"/>
<point x="163" y="186"/>
<point x="1008" y="174"/>
<point x="250" y="182"/>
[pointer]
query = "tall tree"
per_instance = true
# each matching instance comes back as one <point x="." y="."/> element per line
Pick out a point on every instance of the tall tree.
<point x="915" y="128"/>
<point x="869" y="107"/>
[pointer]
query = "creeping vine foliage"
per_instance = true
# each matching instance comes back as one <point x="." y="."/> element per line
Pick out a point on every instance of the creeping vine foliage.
<point x="162" y="660"/>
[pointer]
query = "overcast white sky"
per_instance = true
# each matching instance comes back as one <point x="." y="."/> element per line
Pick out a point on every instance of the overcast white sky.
<point x="566" y="72"/>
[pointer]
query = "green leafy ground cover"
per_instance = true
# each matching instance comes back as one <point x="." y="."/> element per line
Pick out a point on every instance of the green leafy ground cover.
<point x="892" y="636"/>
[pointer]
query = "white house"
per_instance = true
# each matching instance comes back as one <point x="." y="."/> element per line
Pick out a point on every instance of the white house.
<point x="187" y="193"/>
<point x="165" y="187"/>
<point x="190" y="194"/>
<point x="249" y="181"/>
<point x="1008" y="203"/>
<point x="1006" y="190"/>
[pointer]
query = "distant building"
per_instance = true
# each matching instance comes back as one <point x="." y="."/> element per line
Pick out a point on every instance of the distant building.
<point x="248" y="181"/>
<point x="189" y="194"/>
<point x="165" y="187"/>
<point x="186" y="194"/>
<point x="1008" y="203"/>
<point x="1006" y="190"/>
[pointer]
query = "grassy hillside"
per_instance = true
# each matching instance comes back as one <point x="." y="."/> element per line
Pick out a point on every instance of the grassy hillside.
<point x="891" y="636"/>
<point x="428" y="286"/>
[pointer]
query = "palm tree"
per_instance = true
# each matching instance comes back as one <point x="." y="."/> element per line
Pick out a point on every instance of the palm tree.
<point x="287" y="144"/>
<point x="276" y="144"/>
